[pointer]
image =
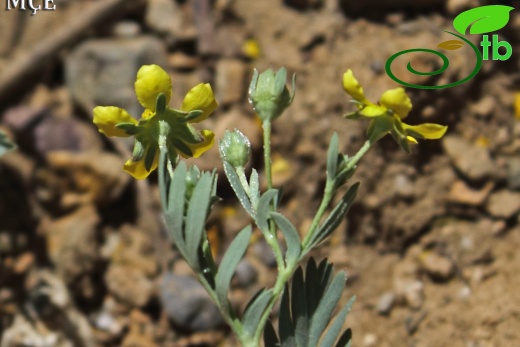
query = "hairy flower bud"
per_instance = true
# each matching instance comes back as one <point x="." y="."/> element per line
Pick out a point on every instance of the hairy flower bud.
<point x="268" y="93"/>
<point x="235" y="148"/>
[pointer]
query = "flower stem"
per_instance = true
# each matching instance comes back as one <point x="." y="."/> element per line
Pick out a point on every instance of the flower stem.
<point x="329" y="192"/>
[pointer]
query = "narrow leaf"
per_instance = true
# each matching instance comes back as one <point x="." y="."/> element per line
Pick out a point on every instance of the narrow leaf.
<point x="196" y="217"/>
<point x="285" y="324"/>
<point x="323" y="314"/>
<point x="301" y="318"/>
<point x="332" y="157"/>
<point x="335" y="217"/>
<point x="234" y="181"/>
<point x="482" y="19"/>
<point x="175" y="207"/>
<point x="232" y="257"/>
<point x="255" y="310"/>
<point x="270" y="337"/>
<point x="292" y="238"/>
<point x="333" y="332"/>
<point x="264" y="207"/>
<point x="254" y="188"/>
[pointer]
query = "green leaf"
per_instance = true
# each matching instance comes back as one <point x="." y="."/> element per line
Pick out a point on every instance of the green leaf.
<point x="332" y="333"/>
<point x="254" y="188"/>
<point x="232" y="257"/>
<point x="270" y="337"/>
<point x="196" y="217"/>
<point x="483" y="19"/>
<point x="332" y="157"/>
<point x="335" y="217"/>
<point x="6" y="144"/>
<point x="264" y="207"/>
<point x="307" y="306"/>
<point x="292" y="239"/>
<point x="174" y="210"/>
<point x="254" y="311"/>
<point x="234" y="181"/>
<point x="323" y="313"/>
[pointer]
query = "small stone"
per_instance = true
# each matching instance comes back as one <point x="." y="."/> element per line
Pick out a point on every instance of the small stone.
<point x="503" y="204"/>
<point x="182" y="61"/>
<point x="126" y="29"/>
<point x="230" y="77"/>
<point x="171" y="19"/>
<point x="412" y="292"/>
<point x="102" y="72"/>
<point x="96" y="177"/>
<point x="386" y="303"/>
<point x="71" y="242"/>
<point x="67" y="134"/>
<point x="437" y="266"/>
<point x="187" y="304"/>
<point x="513" y="173"/>
<point x="370" y="340"/>
<point x="461" y="193"/>
<point x="454" y="7"/>
<point x="472" y="161"/>
<point x="129" y="285"/>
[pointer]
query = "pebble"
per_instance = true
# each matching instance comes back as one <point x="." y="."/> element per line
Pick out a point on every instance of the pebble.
<point x="503" y="204"/>
<point x="187" y="304"/>
<point x="102" y="72"/>
<point x="71" y="242"/>
<point x="412" y="291"/>
<point x="129" y="285"/>
<point x="230" y="77"/>
<point x="513" y="173"/>
<point x="461" y="193"/>
<point x="170" y="19"/>
<point x="454" y="7"/>
<point x="386" y="303"/>
<point x="438" y="267"/>
<point x="370" y="340"/>
<point x="473" y="162"/>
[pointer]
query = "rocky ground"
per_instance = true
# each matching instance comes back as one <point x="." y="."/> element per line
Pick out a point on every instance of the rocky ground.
<point x="430" y="247"/>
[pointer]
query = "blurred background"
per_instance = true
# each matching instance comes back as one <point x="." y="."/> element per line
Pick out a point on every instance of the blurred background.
<point x="430" y="247"/>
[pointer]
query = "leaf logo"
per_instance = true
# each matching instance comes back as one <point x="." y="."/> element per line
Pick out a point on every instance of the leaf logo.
<point x="483" y="19"/>
<point x="451" y="45"/>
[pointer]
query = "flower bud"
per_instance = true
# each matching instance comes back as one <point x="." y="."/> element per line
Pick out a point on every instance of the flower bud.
<point x="235" y="148"/>
<point x="268" y="93"/>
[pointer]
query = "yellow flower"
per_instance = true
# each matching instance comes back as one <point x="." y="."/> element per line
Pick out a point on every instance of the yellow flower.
<point x="159" y="125"/>
<point x="387" y="115"/>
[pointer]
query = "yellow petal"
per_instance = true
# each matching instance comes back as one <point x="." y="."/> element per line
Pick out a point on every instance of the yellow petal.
<point x="352" y="87"/>
<point x="373" y="111"/>
<point x="411" y="140"/>
<point x="137" y="168"/>
<point x="199" y="148"/>
<point x="429" y="131"/>
<point x="107" y="117"/>
<point x="152" y="80"/>
<point x="397" y="101"/>
<point x="200" y="98"/>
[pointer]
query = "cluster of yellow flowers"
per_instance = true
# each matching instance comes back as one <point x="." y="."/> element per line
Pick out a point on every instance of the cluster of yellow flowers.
<point x="153" y="89"/>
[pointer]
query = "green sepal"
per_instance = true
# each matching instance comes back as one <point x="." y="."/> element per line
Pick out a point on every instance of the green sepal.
<point x="129" y="128"/>
<point x="160" y="104"/>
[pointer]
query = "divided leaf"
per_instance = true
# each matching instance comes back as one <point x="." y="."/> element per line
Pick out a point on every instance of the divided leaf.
<point x="307" y="308"/>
